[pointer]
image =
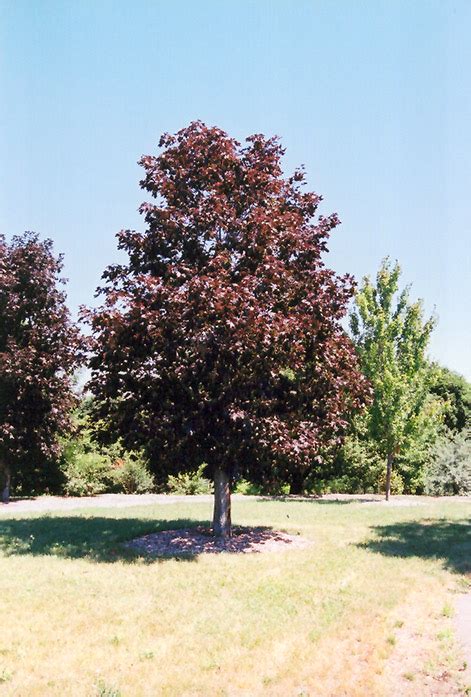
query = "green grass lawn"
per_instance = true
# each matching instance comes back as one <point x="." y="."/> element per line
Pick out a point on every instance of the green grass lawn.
<point x="366" y="610"/>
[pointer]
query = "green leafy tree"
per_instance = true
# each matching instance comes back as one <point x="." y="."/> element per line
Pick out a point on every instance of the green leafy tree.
<point x="455" y="391"/>
<point x="449" y="473"/>
<point x="391" y="338"/>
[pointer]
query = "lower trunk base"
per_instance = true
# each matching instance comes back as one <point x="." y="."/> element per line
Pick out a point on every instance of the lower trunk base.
<point x="389" y="465"/>
<point x="6" y="489"/>
<point x="222" y="523"/>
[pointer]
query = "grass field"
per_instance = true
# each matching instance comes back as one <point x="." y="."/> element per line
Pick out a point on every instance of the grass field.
<point x="366" y="610"/>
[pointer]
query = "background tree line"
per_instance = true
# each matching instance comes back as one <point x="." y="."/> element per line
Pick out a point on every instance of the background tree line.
<point x="219" y="354"/>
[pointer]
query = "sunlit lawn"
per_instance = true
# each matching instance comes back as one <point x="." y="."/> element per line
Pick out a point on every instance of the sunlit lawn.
<point x="81" y="617"/>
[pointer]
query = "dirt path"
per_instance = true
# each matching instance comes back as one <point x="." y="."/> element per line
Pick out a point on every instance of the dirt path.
<point x="394" y="501"/>
<point x="62" y="503"/>
<point x="44" y="504"/>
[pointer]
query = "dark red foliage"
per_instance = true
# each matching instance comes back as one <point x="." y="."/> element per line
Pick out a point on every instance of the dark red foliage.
<point x="220" y="340"/>
<point x="38" y="352"/>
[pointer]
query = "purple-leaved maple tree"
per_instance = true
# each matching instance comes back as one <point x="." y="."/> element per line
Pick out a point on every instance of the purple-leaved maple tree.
<point x="39" y="350"/>
<point x="219" y="341"/>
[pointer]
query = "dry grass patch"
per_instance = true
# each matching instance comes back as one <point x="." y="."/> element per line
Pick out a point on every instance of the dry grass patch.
<point x="425" y="659"/>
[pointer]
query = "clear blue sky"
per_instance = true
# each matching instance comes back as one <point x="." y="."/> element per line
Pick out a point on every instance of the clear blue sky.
<point x="373" y="97"/>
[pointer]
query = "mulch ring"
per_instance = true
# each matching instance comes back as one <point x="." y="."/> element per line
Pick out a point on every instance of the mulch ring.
<point x="199" y="540"/>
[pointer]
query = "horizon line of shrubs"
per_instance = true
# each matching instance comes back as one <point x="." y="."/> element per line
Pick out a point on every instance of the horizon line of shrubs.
<point x="87" y="470"/>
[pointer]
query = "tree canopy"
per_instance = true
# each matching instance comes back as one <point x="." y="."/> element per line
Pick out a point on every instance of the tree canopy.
<point x="455" y="390"/>
<point x="38" y="354"/>
<point x="219" y="340"/>
<point x="391" y="339"/>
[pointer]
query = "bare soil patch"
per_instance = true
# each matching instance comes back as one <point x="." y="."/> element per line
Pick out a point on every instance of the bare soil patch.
<point x="199" y="540"/>
<point x="425" y="660"/>
<point x="463" y="628"/>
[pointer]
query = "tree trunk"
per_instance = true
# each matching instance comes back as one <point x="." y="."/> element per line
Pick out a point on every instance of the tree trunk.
<point x="6" y="485"/>
<point x="222" y="504"/>
<point x="389" y="465"/>
<point x="297" y="483"/>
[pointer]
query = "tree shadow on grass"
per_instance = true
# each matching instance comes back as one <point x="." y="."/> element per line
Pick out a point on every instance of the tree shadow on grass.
<point x="103" y="539"/>
<point x="98" y="539"/>
<point x="319" y="501"/>
<point x="449" y="541"/>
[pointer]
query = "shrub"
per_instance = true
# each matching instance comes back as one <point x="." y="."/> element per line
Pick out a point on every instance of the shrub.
<point x="355" y="468"/>
<point x="449" y="473"/>
<point x="276" y="489"/>
<point x="397" y="483"/>
<point x="87" y="474"/>
<point x="132" y="475"/>
<point x="341" y="485"/>
<point x="243" y="486"/>
<point x="189" y="483"/>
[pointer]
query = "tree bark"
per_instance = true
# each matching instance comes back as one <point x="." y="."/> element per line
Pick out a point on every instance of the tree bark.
<point x="6" y="485"/>
<point x="222" y="504"/>
<point x="297" y="483"/>
<point x="389" y="465"/>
